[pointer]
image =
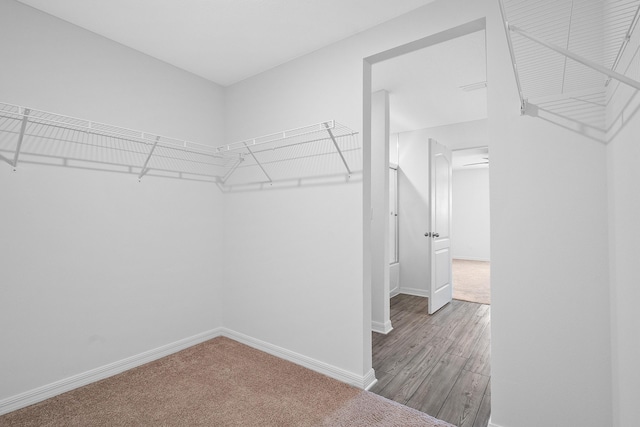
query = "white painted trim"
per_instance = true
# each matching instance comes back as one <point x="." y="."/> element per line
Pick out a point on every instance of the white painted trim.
<point x="67" y="384"/>
<point x="39" y="394"/>
<point x="470" y="258"/>
<point x="414" y="292"/>
<point x="492" y="424"/>
<point x="315" y="365"/>
<point x="395" y="291"/>
<point x="382" y="328"/>
<point x="370" y="379"/>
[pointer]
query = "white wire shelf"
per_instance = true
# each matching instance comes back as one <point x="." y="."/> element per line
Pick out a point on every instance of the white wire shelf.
<point x="562" y="48"/>
<point x="33" y="136"/>
<point x="321" y="149"/>
<point x="51" y="138"/>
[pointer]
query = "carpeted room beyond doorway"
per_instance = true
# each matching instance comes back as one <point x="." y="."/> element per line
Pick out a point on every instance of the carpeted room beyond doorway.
<point x="472" y="281"/>
<point x="218" y="383"/>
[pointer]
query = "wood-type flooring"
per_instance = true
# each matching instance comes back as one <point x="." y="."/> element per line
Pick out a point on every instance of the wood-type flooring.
<point x="438" y="364"/>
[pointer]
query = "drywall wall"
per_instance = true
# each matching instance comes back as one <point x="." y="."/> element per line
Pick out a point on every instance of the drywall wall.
<point x="461" y="135"/>
<point x="394" y="282"/>
<point x="624" y="211"/>
<point x="97" y="267"/>
<point x="293" y="270"/>
<point x="380" y="307"/>
<point x="623" y="154"/>
<point x="413" y="213"/>
<point x="545" y="367"/>
<point x="549" y="270"/>
<point x="470" y="214"/>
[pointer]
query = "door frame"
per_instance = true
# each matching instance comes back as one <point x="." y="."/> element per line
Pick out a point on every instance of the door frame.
<point x="368" y="208"/>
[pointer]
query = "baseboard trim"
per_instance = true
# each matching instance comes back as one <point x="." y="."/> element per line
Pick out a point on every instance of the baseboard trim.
<point x="394" y="292"/>
<point x="492" y="424"/>
<point x="39" y="394"/>
<point x="414" y="292"/>
<point x="315" y="365"/>
<point x="382" y="328"/>
<point x="470" y="258"/>
<point x="370" y="379"/>
<point x="48" y="391"/>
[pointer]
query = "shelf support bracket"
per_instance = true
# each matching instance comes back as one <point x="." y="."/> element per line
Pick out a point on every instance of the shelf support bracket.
<point x="23" y="127"/>
<point x="258" y="162"/>
<point x="335" y="143"/>
<point x="144" y="170"/>
<point x="513" y="58"/>
<point x="604" y="70"/>
<point x="232" y="170"/>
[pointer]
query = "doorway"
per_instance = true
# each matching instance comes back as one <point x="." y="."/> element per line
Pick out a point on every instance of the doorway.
<point x="470" y="220"/>
<point x="447" y="350"/>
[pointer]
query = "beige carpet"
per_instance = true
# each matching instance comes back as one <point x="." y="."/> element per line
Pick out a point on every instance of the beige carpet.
<point x="471" y="281"/>
<point x="218" y="383"/>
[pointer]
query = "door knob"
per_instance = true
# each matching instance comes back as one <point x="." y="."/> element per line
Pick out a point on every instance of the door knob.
<point x="435" y="234"/>
<point x="427" y="234"/>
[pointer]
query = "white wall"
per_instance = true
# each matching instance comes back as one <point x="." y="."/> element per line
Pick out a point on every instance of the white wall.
<point x="550" y="353"/>
<point x="413" y="213"/>
<point x="380" y="307"/>
<point x="470" y="215"/>
<point x="293" y="257"/>
<point x="462" y="135"/>
<point x="624" y="211"/>
<point x="97" y="267"/>
<point x="549" y="269"/>
<point x="623" y="153"/>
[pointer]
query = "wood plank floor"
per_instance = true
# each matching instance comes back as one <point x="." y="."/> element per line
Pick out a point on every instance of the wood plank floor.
<point x="437" y="364"/>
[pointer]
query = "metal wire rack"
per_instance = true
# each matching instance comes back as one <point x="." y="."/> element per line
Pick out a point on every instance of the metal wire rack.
<point x="322" y="149"/>
<point x="35" y="136"/>
<point x="565" y="52"/>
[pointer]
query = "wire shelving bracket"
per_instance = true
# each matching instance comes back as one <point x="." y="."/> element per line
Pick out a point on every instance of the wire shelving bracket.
<point x="57" y="139"/>
<point x="35" y="136"/>
<point x="327" y="147"/>
<point x="573" y="29"/>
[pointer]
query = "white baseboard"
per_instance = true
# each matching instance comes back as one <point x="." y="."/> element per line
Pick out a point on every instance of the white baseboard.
<point x="394" y="292"/>
<point x="67" y="384"/>
<point x="315" y="365"/>
<point x="470" y="258"/>
<point x="382" y="328"/>
<point x="492" y="424"/>
<point x="414" y="292"/>
<point x="370" y="379"/>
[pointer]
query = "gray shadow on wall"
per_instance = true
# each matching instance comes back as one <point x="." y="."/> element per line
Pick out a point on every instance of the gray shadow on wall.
<point x="586" y="117"/>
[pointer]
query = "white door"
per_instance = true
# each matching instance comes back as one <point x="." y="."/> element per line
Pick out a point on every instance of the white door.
<point x="440" y="286"/>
